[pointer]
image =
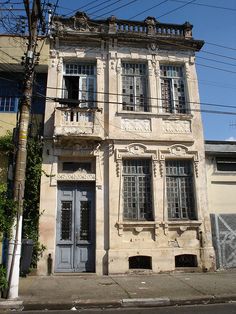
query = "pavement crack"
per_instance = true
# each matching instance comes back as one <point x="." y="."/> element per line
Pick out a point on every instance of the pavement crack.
<point x="189" y="285"/>
<point x="122" y="288"/>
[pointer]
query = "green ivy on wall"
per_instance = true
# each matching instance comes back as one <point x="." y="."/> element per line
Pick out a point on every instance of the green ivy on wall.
<point x="8" y="208"/>
<point x="32" y="196"/>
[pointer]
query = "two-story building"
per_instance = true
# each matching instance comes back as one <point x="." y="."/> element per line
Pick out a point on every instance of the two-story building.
<point x="125" y="183"/>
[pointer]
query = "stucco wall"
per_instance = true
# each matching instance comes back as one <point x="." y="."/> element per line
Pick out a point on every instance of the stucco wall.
<point x="221" y="188"/>
<point x="155" y="135"/>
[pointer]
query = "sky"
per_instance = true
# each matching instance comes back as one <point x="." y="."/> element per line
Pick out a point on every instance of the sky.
<point x="214" y="21"/>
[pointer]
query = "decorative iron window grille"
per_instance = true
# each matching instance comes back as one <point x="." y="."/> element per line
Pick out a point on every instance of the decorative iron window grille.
<point x="80" y="84"/>
<point x="134" y="87"/>
<point x="179" y="185"/>
<point x="173" y="94"/>
<point x="66" y="220"/>
<point x="85" y="210"/>
<point x="137" y="192"/>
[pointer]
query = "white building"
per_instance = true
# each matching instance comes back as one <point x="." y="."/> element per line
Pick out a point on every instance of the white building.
<point x="125" y="183"/>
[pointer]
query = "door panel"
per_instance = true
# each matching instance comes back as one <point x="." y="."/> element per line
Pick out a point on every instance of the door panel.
<point x="75" y="228"/>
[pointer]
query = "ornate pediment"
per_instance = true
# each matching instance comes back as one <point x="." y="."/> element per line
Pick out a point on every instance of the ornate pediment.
<point x="135" y="150"/>
<point x="178" y="151"/>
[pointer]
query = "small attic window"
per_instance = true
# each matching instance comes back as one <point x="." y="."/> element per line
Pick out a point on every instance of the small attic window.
<point x="226" y="163"/>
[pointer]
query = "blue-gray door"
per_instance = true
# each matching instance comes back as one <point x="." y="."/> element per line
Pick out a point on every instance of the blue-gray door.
<point x="75" y="247"/>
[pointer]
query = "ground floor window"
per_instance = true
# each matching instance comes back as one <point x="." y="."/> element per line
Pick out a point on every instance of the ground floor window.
<point x="137" y="192"/>
<point x="179" y="189"/>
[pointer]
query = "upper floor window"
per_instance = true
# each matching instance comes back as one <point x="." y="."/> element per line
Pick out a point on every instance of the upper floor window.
<point x="226" y="164"/>
<point x="179" y="189"/>
<point x="8" y="99"/>
<point x="134" y="86"/>
<point x="173" y="95"/>
<point x="137" y="192"/>
<point x="80" y="83"/>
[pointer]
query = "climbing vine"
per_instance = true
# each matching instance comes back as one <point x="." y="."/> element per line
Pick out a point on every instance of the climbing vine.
<point x="32" y="196"/>
<point x="8" y="208"/>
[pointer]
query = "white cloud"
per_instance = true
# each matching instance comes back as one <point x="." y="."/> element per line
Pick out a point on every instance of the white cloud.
<point x="231" y="138"/>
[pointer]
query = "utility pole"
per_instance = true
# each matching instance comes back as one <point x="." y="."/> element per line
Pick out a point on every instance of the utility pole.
<point x="34" y="17"/>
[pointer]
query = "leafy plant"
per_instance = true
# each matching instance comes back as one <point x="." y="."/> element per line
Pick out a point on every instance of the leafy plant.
<point x="32" y="196"/>
<point x="8" y="208"/>
<point x="8" y="211"/>
<point x="6" y="144"/>
<point x="3" y="278"/>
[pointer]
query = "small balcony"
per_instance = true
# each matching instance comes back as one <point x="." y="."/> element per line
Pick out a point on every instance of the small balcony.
<point x="77" y="122"/>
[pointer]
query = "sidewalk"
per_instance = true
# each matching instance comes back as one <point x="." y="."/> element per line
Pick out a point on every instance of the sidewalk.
<point x="86" y="290"/>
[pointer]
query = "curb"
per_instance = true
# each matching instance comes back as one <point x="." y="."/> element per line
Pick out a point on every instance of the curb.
<point x="147" y="302"/>
<point x="211" y="299"/>
<point x="11" y="304"/>
<point x="124" y="303"/>
<point x="73" y="304"/>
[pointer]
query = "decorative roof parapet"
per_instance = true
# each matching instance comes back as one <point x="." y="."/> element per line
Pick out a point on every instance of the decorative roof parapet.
<point x="80" y="23"/>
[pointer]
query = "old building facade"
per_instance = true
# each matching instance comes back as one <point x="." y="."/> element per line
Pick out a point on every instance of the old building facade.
<point x="124" y="183"/>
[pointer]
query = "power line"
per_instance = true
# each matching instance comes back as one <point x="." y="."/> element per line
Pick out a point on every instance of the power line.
<point x="212" y="60"/>
<point x="215" y="68"/>
<point x="178" y="8"/>
<point x="118" y="8"/>
<point x="86" y="5"/>
<point x="207" y="5"/>
<point x="151" y="98"/>
<point x="203" y="51"/>
<point x="98" y="5"/>
<point x="189" y="110"/>
<point x="221" y="46"/>
<point x="155" y="6"/>
<point x="218" y="55"/>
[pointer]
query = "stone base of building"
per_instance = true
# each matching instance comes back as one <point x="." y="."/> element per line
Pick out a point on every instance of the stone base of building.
<point x="160" y="260"/>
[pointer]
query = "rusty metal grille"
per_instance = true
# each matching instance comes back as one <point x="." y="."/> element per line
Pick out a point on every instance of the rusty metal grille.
<point x="179" y="185"/>
<point x="137" y="190"/>
<point x="134" y="87"/>
<point x="172" y="89"/>
<point x="85" y="209"/>
<point x="66" y="220"/>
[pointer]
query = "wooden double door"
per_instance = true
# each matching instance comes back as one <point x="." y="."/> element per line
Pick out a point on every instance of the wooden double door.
<point x="75" y="234"/>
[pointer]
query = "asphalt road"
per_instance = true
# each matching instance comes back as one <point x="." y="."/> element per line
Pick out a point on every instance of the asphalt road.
<point x="187" y="309"/>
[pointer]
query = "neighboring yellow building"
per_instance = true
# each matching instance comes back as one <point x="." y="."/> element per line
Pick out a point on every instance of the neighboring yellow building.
<point x="221" y="180"/>
<point x="12" y="49"/>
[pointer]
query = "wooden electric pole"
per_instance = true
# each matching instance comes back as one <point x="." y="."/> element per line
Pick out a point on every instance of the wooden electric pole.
<point x="34" y="17"/>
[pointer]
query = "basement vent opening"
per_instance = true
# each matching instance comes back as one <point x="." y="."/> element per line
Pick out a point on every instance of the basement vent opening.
<point x="140" y="262"/>
<point x="186" y="260"/>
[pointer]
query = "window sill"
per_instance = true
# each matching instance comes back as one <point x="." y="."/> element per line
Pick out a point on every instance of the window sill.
<point x="176" y="116"/>
<point x="139" y="226"/>
<point x="190" y="223"/>
<point x="166" y="116"/>
<point x="135" y="113"/>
